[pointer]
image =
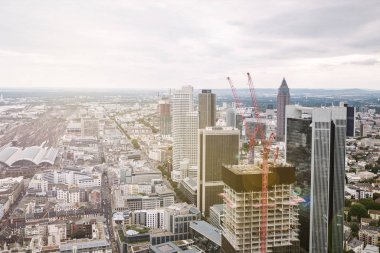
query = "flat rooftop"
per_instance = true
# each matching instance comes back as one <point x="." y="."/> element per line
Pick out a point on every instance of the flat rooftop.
<point x="246" y="178"/>
<point x="208" y="231"/>
<point x="246" y="169"/>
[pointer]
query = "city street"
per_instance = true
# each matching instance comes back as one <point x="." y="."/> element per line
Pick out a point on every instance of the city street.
<point x="107" y="210"/>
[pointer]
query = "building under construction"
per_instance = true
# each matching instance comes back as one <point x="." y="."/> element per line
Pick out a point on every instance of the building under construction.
<point x="243" y="219"/>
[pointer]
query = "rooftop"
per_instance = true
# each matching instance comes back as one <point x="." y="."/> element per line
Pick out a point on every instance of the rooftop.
<point x="208" y="231"/>
<point x="191" y="182"/>
<point x="83" y="244"/>
<point x="218" y="208"/>
<point x="371" y="249"/>
<point x="247" y="169"/>
<point x="173" y="247"/>
<point x="35" y="154"/>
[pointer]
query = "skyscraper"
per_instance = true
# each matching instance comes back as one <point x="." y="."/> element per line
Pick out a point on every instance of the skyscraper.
<point x="184" y="130"/>
<point x="164" y="116"/>
<point x="231" y="117"/>
<point x="327" y="184"/>
<point x="242" y="218"/>
<point x="327" y="128"/>
<point x="298" y="153"/>
<point x="217" y="146"/>
<point x="283" y="99"/>
<point x="351" y="111"/>
<point x="207" y="109"/>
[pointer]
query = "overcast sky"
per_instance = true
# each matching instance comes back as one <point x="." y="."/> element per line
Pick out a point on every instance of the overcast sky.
<point x="167" y="44"/>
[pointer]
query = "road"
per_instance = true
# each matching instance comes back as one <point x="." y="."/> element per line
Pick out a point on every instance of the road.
<point x="107" y="210"/>
<point x="5" y="220"/>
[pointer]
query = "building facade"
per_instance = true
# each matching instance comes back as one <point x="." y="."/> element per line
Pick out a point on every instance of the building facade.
<point x="207" y="109"/>
<point x="184" y="130"/>
<point x="327" y="184"/>
<point x="326" y="154"/>
<point x="231" y="117"/>
<point x="188" y="187"/>
<point x="351" y="111"/>
<point x="283" y="99"/>
<point x="165" y="119"/>
<point x="217" y="146"/>
<point x="178" y="217"/>
<point x="242" y="215"/>
<point x="298" y="153"/>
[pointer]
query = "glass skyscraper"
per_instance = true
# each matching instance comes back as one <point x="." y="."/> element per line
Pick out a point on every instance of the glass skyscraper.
<point x="298" y="153"/>
<point x="317" y="135"/>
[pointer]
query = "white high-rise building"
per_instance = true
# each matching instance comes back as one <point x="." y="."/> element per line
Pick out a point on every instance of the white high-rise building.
<point x="184" y="131"/>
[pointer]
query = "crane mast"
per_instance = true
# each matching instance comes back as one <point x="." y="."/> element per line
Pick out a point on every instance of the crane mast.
<point x="266" y="150"/>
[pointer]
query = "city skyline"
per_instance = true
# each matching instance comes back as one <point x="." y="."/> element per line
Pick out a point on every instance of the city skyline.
<point x="190" y="126"/>
<point x="167" y="44"/>
<point x="119" y="160"/>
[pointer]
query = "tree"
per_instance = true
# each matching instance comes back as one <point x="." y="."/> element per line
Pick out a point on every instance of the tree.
<point x="354" y="229"/>
<point x="244" y="148"/>
<point x="347" y="203"/>
<point x="358" y="210"/>
<point x="370" y="204"/>
<point x="135" y="144"/>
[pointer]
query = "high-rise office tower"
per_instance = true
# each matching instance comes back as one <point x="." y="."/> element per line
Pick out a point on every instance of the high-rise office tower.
<point x="242" y="216"/>
<point x="207" y="109"/>
<point x="164" y="116"/>
<point x="231" y="117"/>
<point x="184" y="131"/>
<point x="351" y="111"/>
<point x="317" y="135"/>
<point x="283" y="99"/>
<point x="298" y="153"/>
<point x="217" y="146"/>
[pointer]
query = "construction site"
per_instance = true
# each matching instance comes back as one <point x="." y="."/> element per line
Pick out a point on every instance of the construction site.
<point x="262" y="208"/>
<point x="244" y="218"/>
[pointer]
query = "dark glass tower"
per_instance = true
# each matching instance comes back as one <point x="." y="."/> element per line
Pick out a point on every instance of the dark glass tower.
<point x="283" y="99"/>
<point x="207" y="109"/>
<point x="298" y="153"/>
<point x="315" y="145"/>
<point x="350" y="120"/>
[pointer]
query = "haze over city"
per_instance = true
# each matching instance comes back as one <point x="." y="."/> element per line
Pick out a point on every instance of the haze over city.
<point x="164" y="44"/>
<point x="130" y="126"/>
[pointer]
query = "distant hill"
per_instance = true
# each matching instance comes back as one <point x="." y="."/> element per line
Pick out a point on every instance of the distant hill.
<point x="51" y="92"/>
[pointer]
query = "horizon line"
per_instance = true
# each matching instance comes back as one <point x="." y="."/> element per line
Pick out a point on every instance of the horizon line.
<point x="2" y="89"/>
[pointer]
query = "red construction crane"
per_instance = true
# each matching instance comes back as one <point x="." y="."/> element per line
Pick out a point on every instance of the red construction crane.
<point x="251" y="136"/>
<point x="266" y="150"/>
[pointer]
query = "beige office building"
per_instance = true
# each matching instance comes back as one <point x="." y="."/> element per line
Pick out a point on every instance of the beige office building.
<point x="217" y="146"/>
<point x="207" y="109"/>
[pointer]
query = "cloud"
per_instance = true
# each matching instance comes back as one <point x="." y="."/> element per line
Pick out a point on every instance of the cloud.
<point x="366" y="62"/>
<point x="166" y="44"/>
